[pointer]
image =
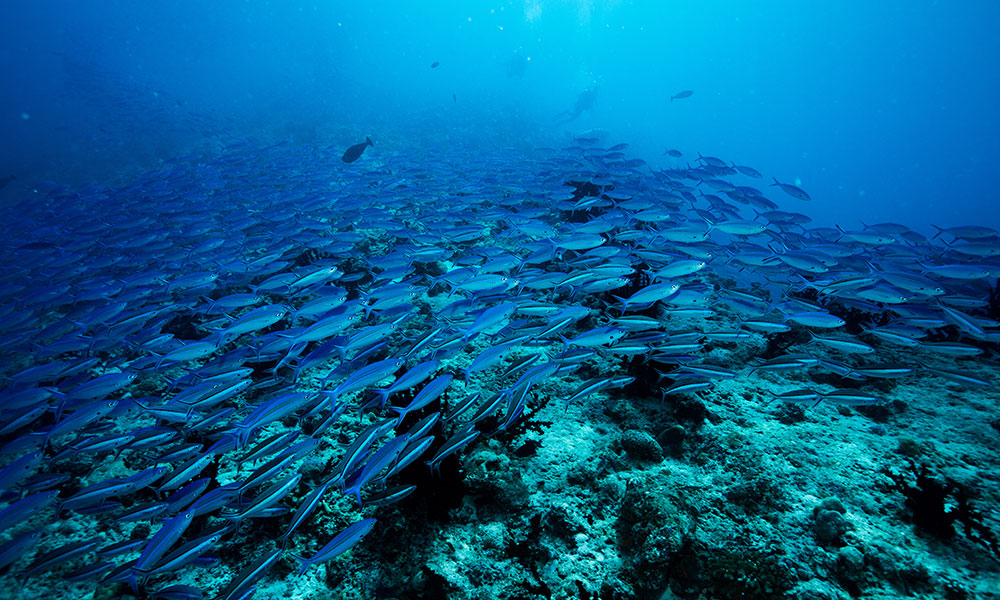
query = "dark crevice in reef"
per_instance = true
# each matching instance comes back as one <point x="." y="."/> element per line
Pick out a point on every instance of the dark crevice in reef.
<point x="936" y="506"/>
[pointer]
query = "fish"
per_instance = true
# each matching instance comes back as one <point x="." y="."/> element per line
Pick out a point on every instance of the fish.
<point x="461" y="438"/>
<point x="159" y="544"/>
<point x="308" y="505"/>
<point x="189" y="552"/>
<point x="21" y="510"/>
<point x="341" y="543"/>
<point x="434" y="64"/>
<point x="967" y="232"/>
<point x="272" y="495"/>
<point x="650" y="295"/>
<point x="799" y="396"/>
<point x="62" y="554"/>
<point x="357" y="451"/>
<point x="413" y="377"/>
<point x="748" y="171"/>
<point x="5" y="181"/>
<point x="600" y="336"/>
<point x="381" y="459"/>
<point x="354" y="152"/>
<point x="200" y="349"/>
<point x="244" y="580"/>
<point x="681" y="95"/>
<point x="428" y="394"/>
<point x="791" y="190"/>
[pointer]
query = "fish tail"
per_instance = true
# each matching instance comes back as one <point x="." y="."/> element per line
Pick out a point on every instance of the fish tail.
<point x="624" y="302"/>
<point x="304" y="564"/>
<point x="565" y="343"/>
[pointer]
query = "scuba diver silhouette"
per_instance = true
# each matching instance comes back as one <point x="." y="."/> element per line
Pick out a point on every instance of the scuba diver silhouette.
<point x="584" y="101"/>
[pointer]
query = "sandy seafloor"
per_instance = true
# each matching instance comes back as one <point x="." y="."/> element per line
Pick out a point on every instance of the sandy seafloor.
<point x="718" y="494"/>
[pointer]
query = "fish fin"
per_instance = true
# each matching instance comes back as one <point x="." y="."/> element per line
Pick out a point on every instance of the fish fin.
<point x="624" y="302"/>
<point x="304" y="566"/>
<point x="565" y="342"/>
<point x="842" y="232"/>
<point x="383" y="396"/>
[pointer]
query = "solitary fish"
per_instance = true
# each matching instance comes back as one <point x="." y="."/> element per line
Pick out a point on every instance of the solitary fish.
<point x="674" y="153"/>
<point x="434" y="64"/>
<point x="4" y="181"/>
<point x="354" y="152"/>
<point x="681" y="95"/>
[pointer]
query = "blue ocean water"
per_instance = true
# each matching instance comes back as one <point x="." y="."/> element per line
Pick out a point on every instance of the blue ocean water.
<point x="881" y="111"/>
<point x="533" y="299"/>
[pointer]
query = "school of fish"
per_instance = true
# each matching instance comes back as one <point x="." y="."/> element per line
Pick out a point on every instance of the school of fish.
<point x="174" y="350"/>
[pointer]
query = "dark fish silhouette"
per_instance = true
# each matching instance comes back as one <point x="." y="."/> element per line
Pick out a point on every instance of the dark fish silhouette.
<point x="36" y="246"/>
<point x="4" y="181"/>
<point x="354" y="152"/>
<point x="454" y="98"/>
<point x="679" y="95"/>
<point x="434" y="64"/>
<point x="674" y="153"/>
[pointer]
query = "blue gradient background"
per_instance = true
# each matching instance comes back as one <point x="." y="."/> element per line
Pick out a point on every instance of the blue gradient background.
<point x="882" y="111"/>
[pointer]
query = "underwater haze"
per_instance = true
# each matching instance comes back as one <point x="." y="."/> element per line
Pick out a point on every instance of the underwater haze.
<point x="879" y="110"/>
<point x="542" y="299"/>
